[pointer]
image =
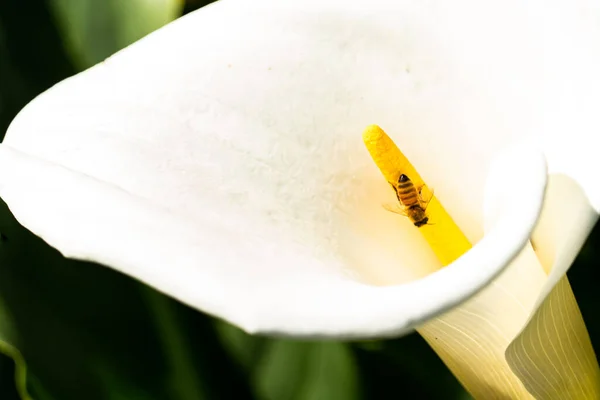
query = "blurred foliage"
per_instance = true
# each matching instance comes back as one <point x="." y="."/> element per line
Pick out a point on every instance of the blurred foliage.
<point x="88" y="332"/>
<point x="93" y="30"/>
<point x="32" y="55"/>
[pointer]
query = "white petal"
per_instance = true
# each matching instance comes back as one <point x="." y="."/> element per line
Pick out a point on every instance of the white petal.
<point x="262" y="286"/>
<point x="230" y="174"/>
<point x="569" y="134"/>
<point x="552" y="354"/>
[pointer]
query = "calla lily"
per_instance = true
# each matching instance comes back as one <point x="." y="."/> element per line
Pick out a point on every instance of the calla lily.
<point x="219" y="160"/>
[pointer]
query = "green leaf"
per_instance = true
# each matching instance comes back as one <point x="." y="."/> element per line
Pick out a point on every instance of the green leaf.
<point x="282" y="369"/>
<point x="291" y="370"/>
<point x="96" y="29"/>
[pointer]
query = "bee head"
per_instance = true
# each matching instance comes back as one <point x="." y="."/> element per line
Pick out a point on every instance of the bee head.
<point x="403" y="178"/>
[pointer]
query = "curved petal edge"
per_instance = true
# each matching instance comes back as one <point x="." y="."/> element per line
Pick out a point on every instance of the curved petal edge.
<point x="194" y="261"/>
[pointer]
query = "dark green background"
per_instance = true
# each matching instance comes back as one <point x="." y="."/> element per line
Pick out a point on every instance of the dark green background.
<point x="88" y="332"/>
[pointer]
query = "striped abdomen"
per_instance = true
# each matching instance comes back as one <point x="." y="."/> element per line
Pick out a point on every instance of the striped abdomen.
<point x="407" y="192"/>
<point x="410" y="198"/>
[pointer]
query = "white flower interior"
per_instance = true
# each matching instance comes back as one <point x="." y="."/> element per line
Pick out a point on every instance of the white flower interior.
<point x="230" y="173"/>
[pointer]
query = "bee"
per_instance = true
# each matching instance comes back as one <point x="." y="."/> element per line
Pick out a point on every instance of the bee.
<point x="411" y="199"/>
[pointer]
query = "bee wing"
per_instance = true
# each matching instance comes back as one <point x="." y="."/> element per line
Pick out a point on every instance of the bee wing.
<point x="425" y="202"/>
<point x="396" y="209"/>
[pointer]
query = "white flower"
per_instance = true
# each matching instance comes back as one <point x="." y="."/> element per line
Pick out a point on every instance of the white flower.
<point x="219" y="160"/>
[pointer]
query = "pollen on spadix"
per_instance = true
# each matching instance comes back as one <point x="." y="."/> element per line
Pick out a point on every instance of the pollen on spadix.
<point x="441" y="232"/>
